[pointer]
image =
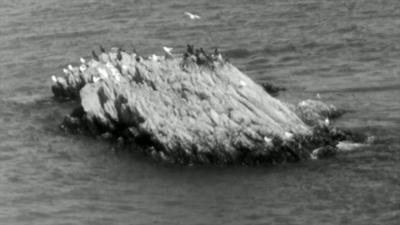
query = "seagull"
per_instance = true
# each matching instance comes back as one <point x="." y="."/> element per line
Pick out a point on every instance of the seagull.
<point x="95" y="79"/>
<point x="327" y="122"/>
<point x="83" y="61"/>
<point x="103" y="73"/>
<point x="288" y="135"/>
<point x="95" y="56"/>
<point x="190" y="49"/>
<point x="303" y="103"/>
<point x="102" y="48"/>
<point x="153" y="58"/>
<point x="192" y="16"/>
<point x="119" y="55"/>
<point x="65" y="71"/>
<point x="54" y="79"/>
<point x="242" y="83"/>
<point x="268" y="140"/>
<point x="318" y="96"/>
<point x="82" y="68"/>
<point x="167" y="51"/>
<point x="70" y="67"/>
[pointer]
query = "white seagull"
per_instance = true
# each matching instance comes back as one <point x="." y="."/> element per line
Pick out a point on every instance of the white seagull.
<point x="95" y="79"/>
<point x="192" y="16"/>
<point x="268" y="140"/>
<point x="288" y="135"/>
<point x="102" y="72"/>
<point x="83" y="61"/>
<point x="327" y="121"/>
<point x="70" y="67"/>
<point x="167" y="51"/>
<point x="82" y="68"/>
<point x="54" y="79"/>
<point x="242" y="83"/>
<point x="153" y="58"/>
<point x="65" y="71"/>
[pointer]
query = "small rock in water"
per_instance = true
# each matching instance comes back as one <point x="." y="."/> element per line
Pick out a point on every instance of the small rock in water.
<point x="323" y="152"/>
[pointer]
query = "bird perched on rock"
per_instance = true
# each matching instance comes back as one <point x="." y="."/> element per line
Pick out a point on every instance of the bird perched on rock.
<point x="83" y="61"/>
<point x="54" y="79"/>
<point x="119" y="55"/>
<point x="242" y="83"/>
<point x="190" y="49"/>
<point x="268" y="140"/>
<point x="82" y="68"/>
<point x="95" y="56"/>
<point x="192" y="16"/>
<point x="167" y="51"/>
<point x="102" y="49"/>
<point x="201" y="57"/>
<point x="153" y="58"/>
<point x="288" y="135"/>
<point x="95" y="79"/>
<point x="65" y="71"/>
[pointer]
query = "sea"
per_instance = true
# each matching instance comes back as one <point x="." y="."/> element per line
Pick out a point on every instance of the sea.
<point x="345" y="51"/>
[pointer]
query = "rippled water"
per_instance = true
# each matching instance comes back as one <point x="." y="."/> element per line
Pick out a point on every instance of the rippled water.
<point x="346" y="50"/>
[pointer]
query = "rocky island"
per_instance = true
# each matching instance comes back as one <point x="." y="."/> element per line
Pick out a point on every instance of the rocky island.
<point x="195" y="107"/>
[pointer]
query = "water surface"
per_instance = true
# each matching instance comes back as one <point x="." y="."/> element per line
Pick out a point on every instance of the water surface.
<point x="348" y="51"/>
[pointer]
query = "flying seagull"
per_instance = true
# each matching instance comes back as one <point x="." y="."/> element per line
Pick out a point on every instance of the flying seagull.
<point x="192" y="16"/>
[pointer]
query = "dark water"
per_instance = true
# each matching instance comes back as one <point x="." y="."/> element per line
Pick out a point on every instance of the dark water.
<point x="346" y="50"/>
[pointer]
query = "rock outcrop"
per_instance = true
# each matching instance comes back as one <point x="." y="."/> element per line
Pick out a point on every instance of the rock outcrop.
<point x="194" y="108"/>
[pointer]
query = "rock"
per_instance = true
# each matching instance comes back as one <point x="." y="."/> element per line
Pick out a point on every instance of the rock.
<point x="272" y="89"/>
<point x="345" y="146"/>
<point x="323" y="152"/>
<point x="315" y="112"/>
<point x="193" y="109"/>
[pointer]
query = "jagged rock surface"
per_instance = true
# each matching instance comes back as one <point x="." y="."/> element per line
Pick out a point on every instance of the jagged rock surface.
<point x="194" y="109"/>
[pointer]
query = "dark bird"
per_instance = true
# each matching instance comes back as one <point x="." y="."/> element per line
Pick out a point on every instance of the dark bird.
<point x="201" y="57"/>
<point x="95" y="57"/>
<point x="133" y="49"/>
<point x="102" y="48"/>
<point x="190" y="49"/>
<point x="119" y="55"/>
<point x="216" y="51"/>
<point x="205" y="54"/>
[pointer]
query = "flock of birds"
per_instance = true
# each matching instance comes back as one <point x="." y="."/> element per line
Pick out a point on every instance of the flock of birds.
<point x="197" y="55"/>
<point x="102" y="72"/>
